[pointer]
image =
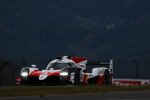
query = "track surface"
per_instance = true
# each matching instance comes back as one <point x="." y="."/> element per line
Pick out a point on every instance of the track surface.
<point x="144" y="95"/>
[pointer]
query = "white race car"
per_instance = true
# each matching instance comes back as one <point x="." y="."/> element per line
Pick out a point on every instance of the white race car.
<point x="69" y="70"/>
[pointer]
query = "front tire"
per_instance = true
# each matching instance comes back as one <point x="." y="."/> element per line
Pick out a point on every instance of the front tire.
<point x="76" y="78"/>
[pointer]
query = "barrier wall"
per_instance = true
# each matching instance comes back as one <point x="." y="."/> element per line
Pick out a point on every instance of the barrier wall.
<point x="131" y="82"/>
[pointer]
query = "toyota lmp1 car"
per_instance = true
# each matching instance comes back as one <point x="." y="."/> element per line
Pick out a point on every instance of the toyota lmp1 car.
<point x="68" y="70"/>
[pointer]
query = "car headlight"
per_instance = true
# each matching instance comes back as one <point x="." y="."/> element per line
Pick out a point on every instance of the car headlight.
<point x="64" y="74"/>
<point x="24" y="74"/>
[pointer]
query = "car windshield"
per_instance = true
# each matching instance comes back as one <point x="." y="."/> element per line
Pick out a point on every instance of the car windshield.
<point x="58" y="66"/>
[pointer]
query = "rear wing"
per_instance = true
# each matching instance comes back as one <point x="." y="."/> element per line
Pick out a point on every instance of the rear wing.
<point x="108" y="64"/>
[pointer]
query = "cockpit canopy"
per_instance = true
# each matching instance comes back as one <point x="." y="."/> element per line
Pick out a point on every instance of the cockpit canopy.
<point x="60" y="65"/>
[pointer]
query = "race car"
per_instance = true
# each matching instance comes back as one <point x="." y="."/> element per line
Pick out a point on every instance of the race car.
<point x="68" y="70"/>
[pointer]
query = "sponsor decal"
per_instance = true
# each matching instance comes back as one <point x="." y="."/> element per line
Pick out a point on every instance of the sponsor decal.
<point x="131" y="82"/>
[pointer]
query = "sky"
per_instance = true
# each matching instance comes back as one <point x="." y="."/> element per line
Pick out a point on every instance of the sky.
<point x="38" y="31"/>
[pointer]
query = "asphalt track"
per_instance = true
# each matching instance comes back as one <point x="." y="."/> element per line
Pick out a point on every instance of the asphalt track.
<point x="144" y="95"/>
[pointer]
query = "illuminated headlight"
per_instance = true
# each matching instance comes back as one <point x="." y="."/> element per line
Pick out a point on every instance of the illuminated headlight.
<point x="64" y="74"/>
<point x="24" y="74"/>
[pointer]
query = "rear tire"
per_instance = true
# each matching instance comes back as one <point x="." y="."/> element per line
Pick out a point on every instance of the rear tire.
<point x="107" y="78"/>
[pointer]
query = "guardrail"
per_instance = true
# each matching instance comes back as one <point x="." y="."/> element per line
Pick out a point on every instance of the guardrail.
<point x="131" y="82"/>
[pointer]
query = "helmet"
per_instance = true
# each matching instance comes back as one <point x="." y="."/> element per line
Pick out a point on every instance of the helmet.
<point x="33" y="65"/>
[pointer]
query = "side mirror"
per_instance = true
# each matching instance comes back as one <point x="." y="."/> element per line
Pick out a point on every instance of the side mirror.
<point x="82" y="66"/>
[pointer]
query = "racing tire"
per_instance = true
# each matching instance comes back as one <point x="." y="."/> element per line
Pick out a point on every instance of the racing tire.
<point x="107" y="78"/>
<point x="76" y="78"/>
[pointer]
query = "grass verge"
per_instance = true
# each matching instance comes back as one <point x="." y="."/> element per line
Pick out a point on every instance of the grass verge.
<point x="47" y="90"/>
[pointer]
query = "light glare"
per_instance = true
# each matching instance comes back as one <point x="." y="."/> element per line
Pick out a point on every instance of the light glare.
<point x="24" y="74"/>
<point x="64" y="73"/>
